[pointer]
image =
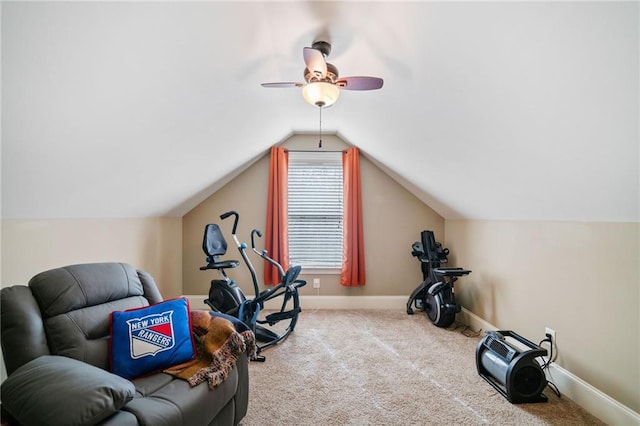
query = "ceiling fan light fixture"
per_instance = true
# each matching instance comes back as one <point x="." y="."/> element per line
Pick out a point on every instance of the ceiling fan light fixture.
<point x="320" y="93"/>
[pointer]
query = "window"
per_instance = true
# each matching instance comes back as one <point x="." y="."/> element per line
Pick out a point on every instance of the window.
<point x="315" y="209"/>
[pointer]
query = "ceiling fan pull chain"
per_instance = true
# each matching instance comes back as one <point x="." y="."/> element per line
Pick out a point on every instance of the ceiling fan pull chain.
<point x="320" y="143"/>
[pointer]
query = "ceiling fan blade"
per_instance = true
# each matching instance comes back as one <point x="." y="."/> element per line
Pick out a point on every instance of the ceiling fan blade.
<point x="359" y="83"/>
<point x="287" y="84"/>
<point x="314" y="59"/>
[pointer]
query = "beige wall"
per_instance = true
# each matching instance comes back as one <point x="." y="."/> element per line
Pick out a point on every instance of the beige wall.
<point x="580" y="279"/>
<point x="393" y="219"/>
<point x="153" y="245"/>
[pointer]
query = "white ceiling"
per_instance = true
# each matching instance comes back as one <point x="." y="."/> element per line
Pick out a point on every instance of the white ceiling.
<point x="490" y="110"/>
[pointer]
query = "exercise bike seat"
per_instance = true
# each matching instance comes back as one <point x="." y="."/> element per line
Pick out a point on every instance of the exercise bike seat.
<point x="214" y="245"/>
<point x="225" y="264"/>
<point x="451" y="272"/>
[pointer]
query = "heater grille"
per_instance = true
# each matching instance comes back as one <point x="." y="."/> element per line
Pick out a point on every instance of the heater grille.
<point x="500" y="348"/>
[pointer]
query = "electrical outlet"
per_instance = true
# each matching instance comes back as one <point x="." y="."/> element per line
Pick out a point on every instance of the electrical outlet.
<point x="316" y="283"/>
<point x="550" y="332"/>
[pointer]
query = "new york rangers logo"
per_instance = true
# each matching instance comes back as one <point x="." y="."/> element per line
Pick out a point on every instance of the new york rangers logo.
<point x="151" y="334"/>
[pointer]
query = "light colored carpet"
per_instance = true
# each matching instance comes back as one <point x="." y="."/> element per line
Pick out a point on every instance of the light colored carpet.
<point x="370" y="367"/>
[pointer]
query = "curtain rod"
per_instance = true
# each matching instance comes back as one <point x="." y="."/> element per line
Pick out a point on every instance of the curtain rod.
<point x="315" y="150"/>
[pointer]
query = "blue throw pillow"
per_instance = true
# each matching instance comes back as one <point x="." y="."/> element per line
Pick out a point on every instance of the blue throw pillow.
<point x="151" y="338"/>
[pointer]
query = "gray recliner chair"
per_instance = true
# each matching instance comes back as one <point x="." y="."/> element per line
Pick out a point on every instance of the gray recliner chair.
<point x="55" y="344"/>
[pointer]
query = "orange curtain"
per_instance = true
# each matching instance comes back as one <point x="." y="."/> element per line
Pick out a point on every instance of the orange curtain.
<point x="352" y="274"/>
<point x="276" y="234"/>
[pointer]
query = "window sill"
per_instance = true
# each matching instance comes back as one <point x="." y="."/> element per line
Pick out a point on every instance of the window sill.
<point x="307" y="270"/>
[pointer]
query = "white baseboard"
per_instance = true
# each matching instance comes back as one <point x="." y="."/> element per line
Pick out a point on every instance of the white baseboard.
<point x="591" y="399"/>
<point x="582" y="393"/>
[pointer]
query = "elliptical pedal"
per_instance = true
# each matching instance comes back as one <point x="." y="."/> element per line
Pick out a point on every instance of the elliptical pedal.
<point x="279" y="316"/>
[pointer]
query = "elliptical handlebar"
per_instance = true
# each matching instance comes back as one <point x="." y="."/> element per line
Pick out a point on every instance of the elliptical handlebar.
<point x="263" y="253"/>
<point x="234" y="213"/>
<point x="242" y="248"/>
<point x="254" y="232"/>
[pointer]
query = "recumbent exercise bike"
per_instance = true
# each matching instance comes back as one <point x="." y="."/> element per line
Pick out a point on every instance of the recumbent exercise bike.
<point x="226" y="297"/>
<point x="435" y="295"/>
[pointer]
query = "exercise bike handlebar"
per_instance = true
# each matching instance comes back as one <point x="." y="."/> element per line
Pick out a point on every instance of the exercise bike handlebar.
<point x="234" y="213"/>
<point x="242" y="248"/>
<point x="263" y="253"/>
<point x="255" y="232"/>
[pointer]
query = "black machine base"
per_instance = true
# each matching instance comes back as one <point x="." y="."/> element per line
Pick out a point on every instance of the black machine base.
<point x="417" y="298"/>
<point x="435" y="295"/>
<point x="437" y="301"/>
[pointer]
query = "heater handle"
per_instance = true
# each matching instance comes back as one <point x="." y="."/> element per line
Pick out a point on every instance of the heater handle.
<point x="519" y="338"/>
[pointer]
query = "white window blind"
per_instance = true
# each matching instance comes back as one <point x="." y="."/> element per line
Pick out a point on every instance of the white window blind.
<point x="315" y="209"/>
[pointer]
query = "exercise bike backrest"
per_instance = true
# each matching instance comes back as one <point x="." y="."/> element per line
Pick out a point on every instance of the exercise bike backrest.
<point x="214" y="245"/>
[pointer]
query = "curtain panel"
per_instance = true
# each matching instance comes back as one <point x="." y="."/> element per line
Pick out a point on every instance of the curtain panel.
<point x="276" y="234"/>
<point x="352" y="273"/>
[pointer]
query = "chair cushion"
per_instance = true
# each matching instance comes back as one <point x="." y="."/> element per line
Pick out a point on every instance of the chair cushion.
<point x="147" y="339"/>
<point x="63" y="389"/>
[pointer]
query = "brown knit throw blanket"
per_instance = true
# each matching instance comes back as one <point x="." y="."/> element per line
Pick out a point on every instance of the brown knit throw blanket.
<point x="218" y="345"/>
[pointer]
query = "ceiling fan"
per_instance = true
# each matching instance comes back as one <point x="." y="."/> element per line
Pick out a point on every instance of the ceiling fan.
<point x="323" y="84"/>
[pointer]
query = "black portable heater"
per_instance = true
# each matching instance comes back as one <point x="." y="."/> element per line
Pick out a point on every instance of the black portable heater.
<point x="513" y="372"/>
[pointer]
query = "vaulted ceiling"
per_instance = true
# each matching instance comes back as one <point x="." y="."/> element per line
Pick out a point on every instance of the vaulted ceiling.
<point x="489" y="110"/>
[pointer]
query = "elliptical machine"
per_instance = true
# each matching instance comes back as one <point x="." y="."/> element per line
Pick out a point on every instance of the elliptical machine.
<point x="226" y="297"/>
<point x="435" y="295"/>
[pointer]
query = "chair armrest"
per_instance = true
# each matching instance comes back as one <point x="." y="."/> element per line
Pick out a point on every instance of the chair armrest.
<point x="23" y="335"/>
<point x="149" y="287"/>
<point x="64" y="389"/>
